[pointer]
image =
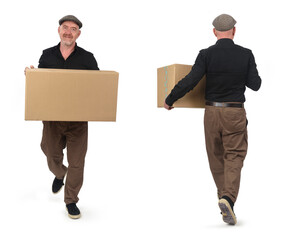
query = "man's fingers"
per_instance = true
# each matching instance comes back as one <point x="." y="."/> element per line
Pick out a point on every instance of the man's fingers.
<point x="31" y="67"/>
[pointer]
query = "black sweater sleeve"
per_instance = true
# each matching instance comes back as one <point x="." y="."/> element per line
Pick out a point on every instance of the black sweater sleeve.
<point x="189" y="81"/>
<point x="253" y="80"/>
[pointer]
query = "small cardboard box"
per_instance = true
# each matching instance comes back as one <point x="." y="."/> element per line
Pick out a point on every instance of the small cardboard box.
<point x="169" y="76"/>
<point x="71" y="95"/>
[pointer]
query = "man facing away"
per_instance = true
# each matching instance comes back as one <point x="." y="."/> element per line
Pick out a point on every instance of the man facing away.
<point x="73" y="135"/>
<point x="229" y="69"/>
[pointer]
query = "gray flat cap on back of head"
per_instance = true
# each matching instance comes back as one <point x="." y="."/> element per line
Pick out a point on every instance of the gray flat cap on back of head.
<point x="224" y="22"/>
<point x="72" y="19"/>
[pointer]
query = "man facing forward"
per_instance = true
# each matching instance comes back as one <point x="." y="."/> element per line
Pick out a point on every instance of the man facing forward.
<point x="73" y="135"/>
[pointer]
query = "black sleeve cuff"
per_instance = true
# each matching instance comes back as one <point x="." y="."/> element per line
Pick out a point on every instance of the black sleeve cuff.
<point x="169" y="101"/>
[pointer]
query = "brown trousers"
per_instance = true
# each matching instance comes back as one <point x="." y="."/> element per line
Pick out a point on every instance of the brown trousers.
<point x="226" y="143"/>
<point x="57" y="136"/>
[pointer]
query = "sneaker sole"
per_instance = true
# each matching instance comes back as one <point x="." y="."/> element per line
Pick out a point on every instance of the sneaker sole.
<point x="228" y="215"/>
<point x="73" y="216"/>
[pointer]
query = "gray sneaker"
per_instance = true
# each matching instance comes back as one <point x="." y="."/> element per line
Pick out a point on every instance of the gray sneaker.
<point x="227" y="212"/>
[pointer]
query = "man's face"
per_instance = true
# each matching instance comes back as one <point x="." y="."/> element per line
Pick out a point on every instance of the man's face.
<point x="68" y="32"/>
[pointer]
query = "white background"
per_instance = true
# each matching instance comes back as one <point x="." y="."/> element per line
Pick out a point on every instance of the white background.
<point x="146" y="175"/>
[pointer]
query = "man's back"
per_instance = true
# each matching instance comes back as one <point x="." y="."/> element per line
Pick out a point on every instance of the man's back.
<point x="229" y="69"/>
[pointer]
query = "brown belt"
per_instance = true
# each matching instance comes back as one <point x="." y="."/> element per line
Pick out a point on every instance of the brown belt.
<point x="224" y="104"/>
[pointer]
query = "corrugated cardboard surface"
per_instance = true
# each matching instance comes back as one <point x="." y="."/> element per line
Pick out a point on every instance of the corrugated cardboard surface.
<point x="169" y="76"/>
<point x="71" y="95"/>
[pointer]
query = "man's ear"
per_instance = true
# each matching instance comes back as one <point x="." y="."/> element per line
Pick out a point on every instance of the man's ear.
<point x="214" y="31"/>
<point x="79" y="32"/>
<point x="234" y="31"/>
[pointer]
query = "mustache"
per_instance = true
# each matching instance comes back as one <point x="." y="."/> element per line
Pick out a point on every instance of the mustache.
<point x="67" y="35"/>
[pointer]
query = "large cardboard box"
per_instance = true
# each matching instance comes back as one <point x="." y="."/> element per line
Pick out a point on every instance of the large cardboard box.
<point x="71" y="95"/>
<point x="169" y="76"/>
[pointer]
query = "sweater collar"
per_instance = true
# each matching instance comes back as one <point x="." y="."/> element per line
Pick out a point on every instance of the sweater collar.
<point x="225" y="41"/>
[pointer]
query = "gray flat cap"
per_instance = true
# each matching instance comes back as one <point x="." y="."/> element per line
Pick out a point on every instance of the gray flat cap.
<point x="224" y="22"/>
<point x="72" y="19"/>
